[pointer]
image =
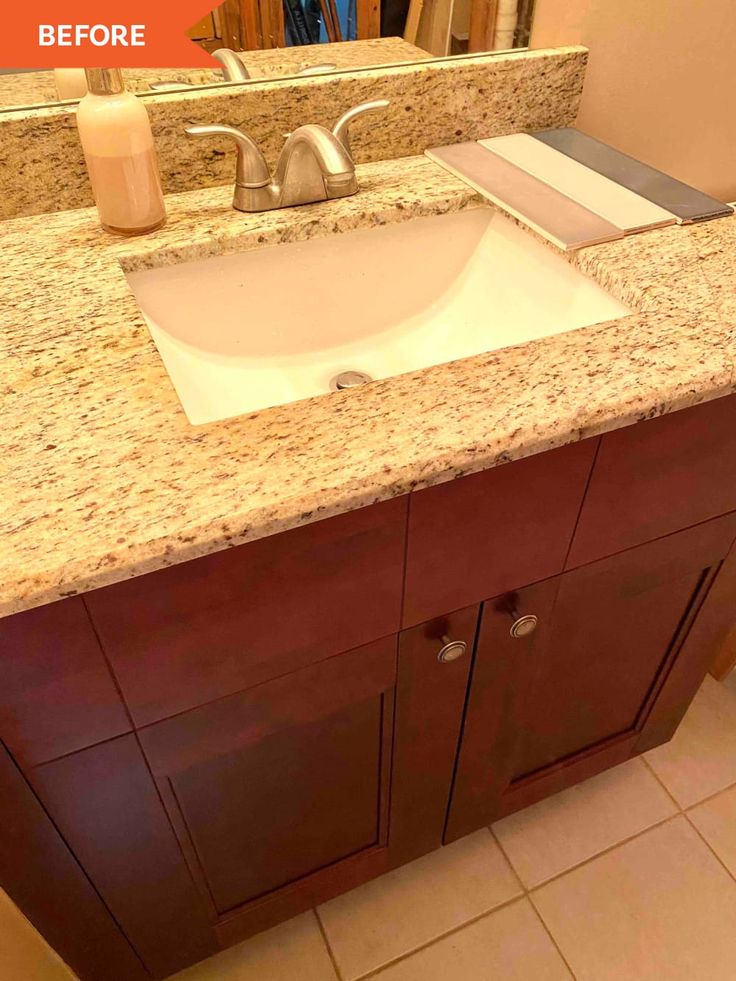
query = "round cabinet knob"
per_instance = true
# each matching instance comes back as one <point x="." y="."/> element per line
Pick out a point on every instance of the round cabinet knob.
<point x="523" y="626"/>
<point x="451" y="650"/>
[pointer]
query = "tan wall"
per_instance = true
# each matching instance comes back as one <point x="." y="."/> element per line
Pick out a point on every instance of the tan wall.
<point x="24" y="954"/>
<point x="661" y="81"/>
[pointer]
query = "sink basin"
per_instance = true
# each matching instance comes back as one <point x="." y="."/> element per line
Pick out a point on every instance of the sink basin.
<point x="243" y="332"/>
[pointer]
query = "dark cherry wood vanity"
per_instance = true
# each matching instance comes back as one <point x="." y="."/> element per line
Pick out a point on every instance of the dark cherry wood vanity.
<point x="194" y="755"/>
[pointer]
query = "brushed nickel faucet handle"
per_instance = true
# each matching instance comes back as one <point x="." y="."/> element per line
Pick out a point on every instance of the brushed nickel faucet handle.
<point x="341" y="129"/>
<point x="252" y="169"/>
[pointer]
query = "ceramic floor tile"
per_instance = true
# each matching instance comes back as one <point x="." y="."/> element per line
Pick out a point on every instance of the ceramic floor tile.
<point x="409" y="907"/>
<point x="700" y="759"/>
<point x="292" y="951"/>
<point x="24" y="954"/>
<point x="715" y="819"/>
<point x="658" y="907"/>
<point x="554" y="835"/>
<point x="509" y="945"/>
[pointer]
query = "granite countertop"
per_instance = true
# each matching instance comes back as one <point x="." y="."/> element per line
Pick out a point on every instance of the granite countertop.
<point x="103" y="477"/>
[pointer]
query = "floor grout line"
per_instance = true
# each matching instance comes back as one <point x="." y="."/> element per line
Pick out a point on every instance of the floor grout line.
<point x="710" y="847"/>
<point x="603" y="851"/>
<point x="327" y="944"/>
<point x="551" y="936"/>
<point x="661" y="782"/>
<point x="377" y="971"/>
<point x="710" y="797"/>
<point x="510" y="864"/>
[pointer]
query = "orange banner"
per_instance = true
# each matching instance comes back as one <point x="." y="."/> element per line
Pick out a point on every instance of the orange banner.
<point x="102" y="34"/>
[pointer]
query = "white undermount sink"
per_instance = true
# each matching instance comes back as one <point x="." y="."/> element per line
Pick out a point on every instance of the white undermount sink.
<point x="243" y="332"/>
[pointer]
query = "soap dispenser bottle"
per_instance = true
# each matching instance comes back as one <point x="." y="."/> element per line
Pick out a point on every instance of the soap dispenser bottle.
<point x="121" y="158"/>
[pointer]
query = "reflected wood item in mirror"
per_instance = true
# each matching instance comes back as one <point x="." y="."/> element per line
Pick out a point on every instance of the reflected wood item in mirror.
<point x="251" y="25"/>
<point x="248" y="25"/>
<point x="290" y="38"/>
<point x="482" y="25"/>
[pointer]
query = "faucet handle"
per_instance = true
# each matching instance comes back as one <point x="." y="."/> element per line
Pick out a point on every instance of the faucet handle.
<point x="252" y="169"/>
<point x="341" y="129"/>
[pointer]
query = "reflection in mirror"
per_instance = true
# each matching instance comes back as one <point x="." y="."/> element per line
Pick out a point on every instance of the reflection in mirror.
<point x="265" y="39"/>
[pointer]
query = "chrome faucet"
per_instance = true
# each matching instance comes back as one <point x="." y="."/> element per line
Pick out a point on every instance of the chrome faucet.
<point x="316" y="164"/>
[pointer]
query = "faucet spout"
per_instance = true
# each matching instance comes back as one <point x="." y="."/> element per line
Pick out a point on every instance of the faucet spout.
<point x="314" y="166"/>
<point x="328" y="152"/>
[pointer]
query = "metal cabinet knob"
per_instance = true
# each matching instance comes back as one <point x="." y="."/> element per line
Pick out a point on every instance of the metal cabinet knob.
<point x="451" y="649"/>
<point x="523" y="626"/>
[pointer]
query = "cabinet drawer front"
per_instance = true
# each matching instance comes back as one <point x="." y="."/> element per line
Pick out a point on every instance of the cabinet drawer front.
<point x="658" y="477"/>
<point x="57" y="694"/>
<point x="184" y="636"/>
<point x="493" y="531"/>
<point x="272" y="785"/>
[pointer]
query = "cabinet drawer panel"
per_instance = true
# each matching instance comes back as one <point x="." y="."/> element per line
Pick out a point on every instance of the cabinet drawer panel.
<point x="494" y="531"/>
<point x="57" y="694"/>
<point x="658" y="477"/>
<point x="192" y="633"/>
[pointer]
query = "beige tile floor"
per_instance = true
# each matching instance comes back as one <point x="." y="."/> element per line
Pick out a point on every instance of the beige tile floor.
<point x="630" y="876"/>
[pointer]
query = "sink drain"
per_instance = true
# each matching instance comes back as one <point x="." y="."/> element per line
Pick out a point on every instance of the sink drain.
<point x="349" y="379"/>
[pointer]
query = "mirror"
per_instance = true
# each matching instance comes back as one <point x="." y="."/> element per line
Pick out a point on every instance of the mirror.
<point x="257" y="40"/>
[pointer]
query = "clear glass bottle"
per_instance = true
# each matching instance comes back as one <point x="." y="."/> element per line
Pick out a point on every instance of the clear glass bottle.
<point x="121" y="158"/>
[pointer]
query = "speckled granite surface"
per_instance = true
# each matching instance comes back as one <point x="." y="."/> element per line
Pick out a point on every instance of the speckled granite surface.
<point x="432" y="103"/>
<point x="103" y="477"/>
<point x="30" y="88"/>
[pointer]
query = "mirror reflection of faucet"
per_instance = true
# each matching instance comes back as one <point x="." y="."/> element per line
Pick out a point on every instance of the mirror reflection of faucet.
<point x="316" y="164"/>
<point x="317" y="69"/>
<point x="233" y="68"/>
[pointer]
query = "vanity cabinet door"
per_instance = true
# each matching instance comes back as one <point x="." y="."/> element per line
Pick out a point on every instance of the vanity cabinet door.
<point x="606" y="674"/>
<point x="220" y="822"/>
<point x="279" y="795"/>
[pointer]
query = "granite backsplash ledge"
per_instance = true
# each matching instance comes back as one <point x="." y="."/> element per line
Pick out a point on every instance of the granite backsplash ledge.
<point x="42" y="168"/>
